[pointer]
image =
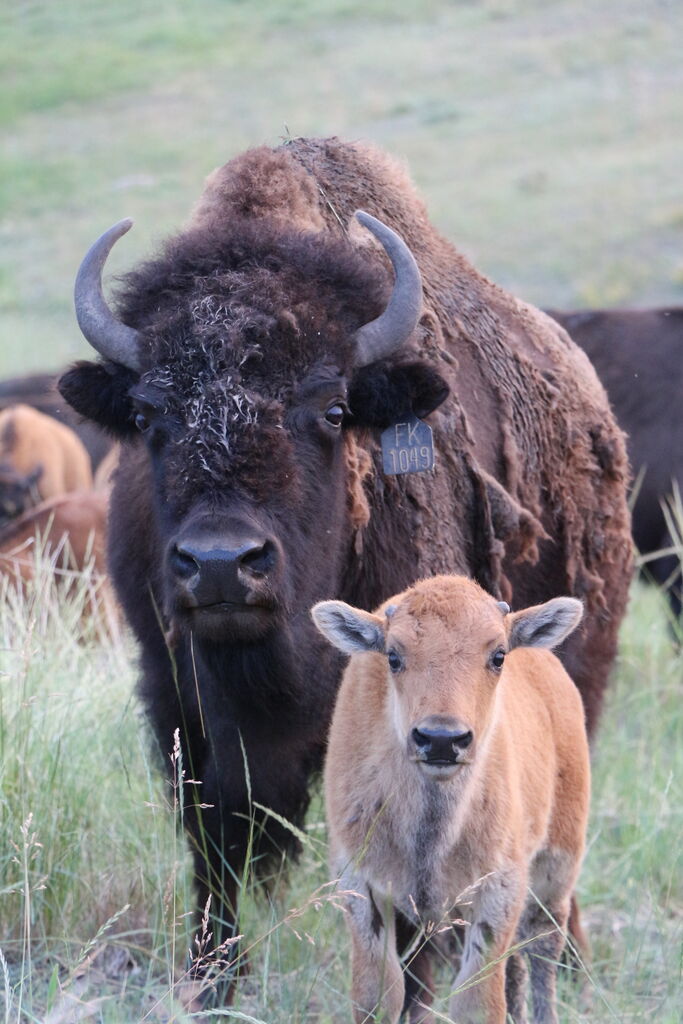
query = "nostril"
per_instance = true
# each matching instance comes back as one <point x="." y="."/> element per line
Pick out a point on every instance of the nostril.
<point x="260" y="559"/>
<point x="421" y="740"/>
<point x="183" y="564"/>
<point x="462" y="740"/>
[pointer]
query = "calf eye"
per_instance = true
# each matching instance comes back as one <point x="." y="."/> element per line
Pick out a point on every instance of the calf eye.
<point x="497" y="659"/>
<point x="141" y="422"/>
<point x="335" y="415"/>
<point x="395" y="661"/>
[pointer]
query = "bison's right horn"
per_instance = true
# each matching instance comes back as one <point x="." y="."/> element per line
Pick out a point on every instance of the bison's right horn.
<point x="106" y="334"/>
<point x="385" y="335"/>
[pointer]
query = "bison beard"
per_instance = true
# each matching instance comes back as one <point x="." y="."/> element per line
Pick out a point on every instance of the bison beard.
<point x="255" y="488"/>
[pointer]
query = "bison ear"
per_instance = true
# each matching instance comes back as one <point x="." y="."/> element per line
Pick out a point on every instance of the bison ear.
<point x="544" y="625"/>
<point x="380" y="394"/>
<point x="348" y="629"/>
<point x="99" y="392"/>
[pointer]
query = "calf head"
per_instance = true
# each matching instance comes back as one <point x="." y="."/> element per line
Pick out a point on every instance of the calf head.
<point x="444" y="644"/>
<point x="245" y="355"/>
<point x="18" y="492"/>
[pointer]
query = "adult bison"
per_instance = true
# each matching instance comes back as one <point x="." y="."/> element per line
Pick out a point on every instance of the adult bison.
<point x="249" y="371"/>
<point x="638" y="354"/>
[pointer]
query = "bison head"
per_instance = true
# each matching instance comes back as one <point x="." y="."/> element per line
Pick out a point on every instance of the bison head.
<point x="242" y="361"/>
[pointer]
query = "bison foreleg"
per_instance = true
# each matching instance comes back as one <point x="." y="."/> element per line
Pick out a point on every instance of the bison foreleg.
<point x="219" y="843"/>
<point x="377" y="987"/>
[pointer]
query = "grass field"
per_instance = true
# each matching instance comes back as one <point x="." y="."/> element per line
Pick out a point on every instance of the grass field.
<point x="546" y="137"/>
<point x="545" y="134"/>
<point x="94" y="867"/>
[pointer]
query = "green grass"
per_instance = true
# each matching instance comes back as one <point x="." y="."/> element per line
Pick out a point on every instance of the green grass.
<point x="544" y="135"/>
<point x="89" y="833"/>
<point x="94" y="868"/>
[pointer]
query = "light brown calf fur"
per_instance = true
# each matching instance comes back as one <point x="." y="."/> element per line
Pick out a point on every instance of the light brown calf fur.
<point x="47" y="456"/>
<point x="457" y="789"/>
<point x="69" y="533"/>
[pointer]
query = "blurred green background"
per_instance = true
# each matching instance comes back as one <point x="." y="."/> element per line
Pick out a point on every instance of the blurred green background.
<point x="544" y="134"/>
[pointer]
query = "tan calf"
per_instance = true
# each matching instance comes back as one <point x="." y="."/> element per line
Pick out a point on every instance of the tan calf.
<point x="457" y="786"/>
<point x="39" y="459"/>
<point x="68" y="534"/>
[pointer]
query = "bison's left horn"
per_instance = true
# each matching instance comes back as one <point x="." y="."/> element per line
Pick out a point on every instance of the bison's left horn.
<point x="111" y="338"/>
<point x="385" y="335"/>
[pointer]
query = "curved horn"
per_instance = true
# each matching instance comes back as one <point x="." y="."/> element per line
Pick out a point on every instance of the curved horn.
<point x="106" y="334"/>
<point x="386" y="334"/>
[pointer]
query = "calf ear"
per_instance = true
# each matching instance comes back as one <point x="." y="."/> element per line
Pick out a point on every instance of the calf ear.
<point x="544" y="625"/>
<point x="99" y="391"/>
<point x="349" y="629"/>
<point x="380" y="394"/>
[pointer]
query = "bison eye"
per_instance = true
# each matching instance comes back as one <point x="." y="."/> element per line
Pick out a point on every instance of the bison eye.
<point x="395" y="661"/>
<point x="497" y="659"/>
<point x="335" y="414"/>
<point x="141" y="422"/>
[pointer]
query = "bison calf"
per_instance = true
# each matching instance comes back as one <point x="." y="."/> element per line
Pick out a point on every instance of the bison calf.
<point x="39" y="459"/>
<point x="457" y="786"/>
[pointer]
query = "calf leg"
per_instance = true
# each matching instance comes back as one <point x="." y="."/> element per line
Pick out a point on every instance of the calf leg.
<point x="377" y="986"/>
<point x="543" y="930"/>
<point x="516" y="979"/>
<point x="419" y="984"/>
<point x="480" y="985"/>
<point x="480" y="996"/>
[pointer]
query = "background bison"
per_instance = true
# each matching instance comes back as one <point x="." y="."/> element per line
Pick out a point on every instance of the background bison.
<point x="255" y="362"/>
<point x="68" y="533"/>
<point x="639" y="358"/>
<point x="40" y="458"/>
<point x="39" y="390"/>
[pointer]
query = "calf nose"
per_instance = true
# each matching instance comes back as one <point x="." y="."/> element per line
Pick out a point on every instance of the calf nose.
<point x="440" y="743"/>
<point x="215" y="570"/>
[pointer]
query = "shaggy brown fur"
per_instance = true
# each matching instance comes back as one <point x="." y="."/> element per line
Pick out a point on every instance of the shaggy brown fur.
<point x="246" y="322"/>
<point x="526" y="407"/>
